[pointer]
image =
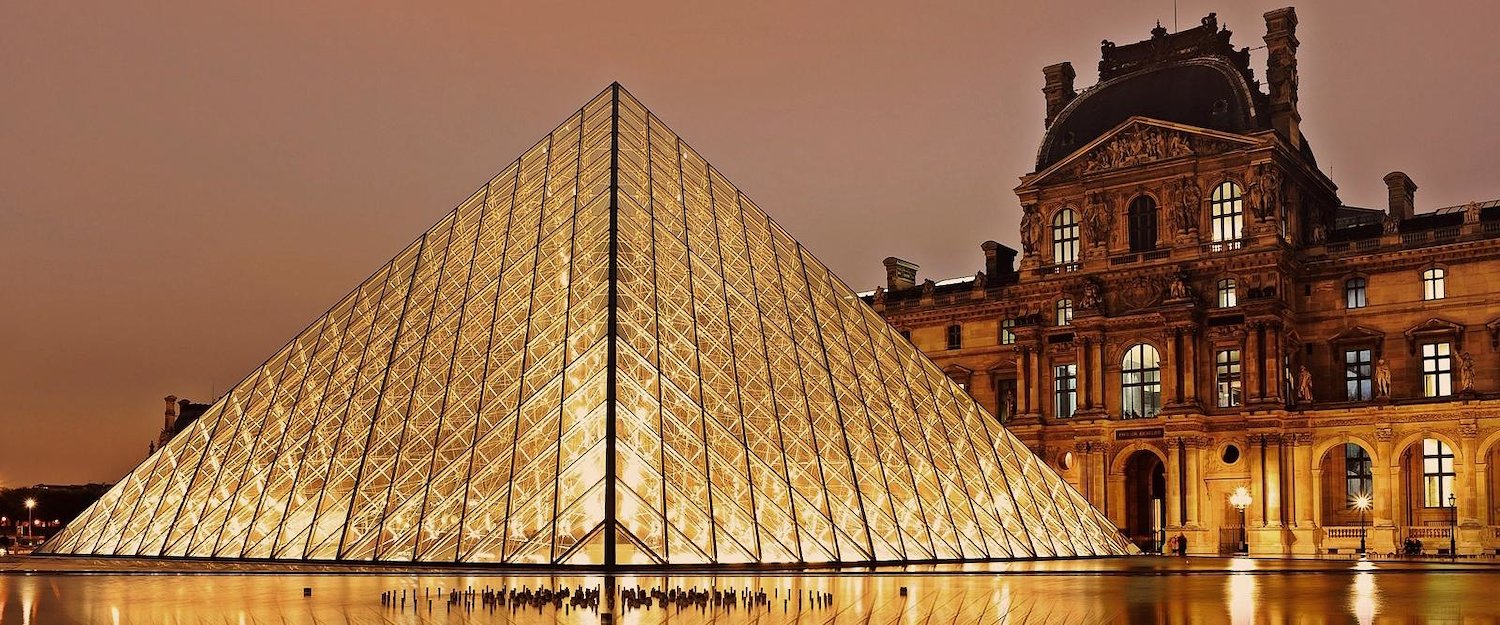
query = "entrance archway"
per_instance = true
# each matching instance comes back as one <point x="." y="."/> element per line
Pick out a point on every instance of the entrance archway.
<point x="1145" y="500"/>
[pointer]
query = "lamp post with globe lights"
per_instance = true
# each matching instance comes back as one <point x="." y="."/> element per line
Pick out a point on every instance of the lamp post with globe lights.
<point x="30" y="508"/>
<point x="1362" y="504"/>
<point x="1240" y="499"/>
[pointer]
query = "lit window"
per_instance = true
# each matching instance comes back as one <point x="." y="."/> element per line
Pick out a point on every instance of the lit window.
<point x="1064" y="312"/>
<point x="1065" y="237"/>
<point x="1358" y="374"/>
<point x="1142" y="217"/>
<point x="1007" y="331"/>
<point x="1432" y="283"/>
<point x="1140" y="382"/>
<point x="955" y="336"/>
<point x="1358" y="478"/>
<point x="1354" y="293"/>
<point x="1227" y="375"/>
<point x="1228" y="212"/>
<point x="1437" y="473"/>
<point x="1065" y="381"/>
<point x="1437" y="370"/>
<point x="1228" y="297"/>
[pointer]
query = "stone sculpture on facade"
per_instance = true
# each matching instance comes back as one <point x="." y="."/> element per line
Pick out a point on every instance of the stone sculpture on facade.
<point x="1465" y="373"/>
<point x="1029" y="221"/>
<point x="1304" y="385"/>
<point x="1098" y="219"/>
<point x="1264" y="194"/>
<point x="1143" y="144"/>
<point x="1382" y="379"/>
<point x="1091" y="295"/>
<point x="1185" y="199"/>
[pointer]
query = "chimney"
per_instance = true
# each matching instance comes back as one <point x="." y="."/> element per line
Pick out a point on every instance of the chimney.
<point x="1059" y="89"/>
<point x="899" y="274"/>
<point x="999" y="260"/>
<point x="171" y="417"/>
<point x="1402" y="194"/>
<point x="1281" y="73"/>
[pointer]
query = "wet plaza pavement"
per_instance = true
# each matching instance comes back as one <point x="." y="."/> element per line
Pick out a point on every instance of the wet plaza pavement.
<point x="1131" y="590"/>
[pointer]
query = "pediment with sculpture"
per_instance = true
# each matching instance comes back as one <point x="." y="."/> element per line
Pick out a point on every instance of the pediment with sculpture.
<point x="1142" y="141"/>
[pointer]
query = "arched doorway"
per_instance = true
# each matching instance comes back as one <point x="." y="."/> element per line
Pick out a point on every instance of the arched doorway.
<point x="1145" y="500"/>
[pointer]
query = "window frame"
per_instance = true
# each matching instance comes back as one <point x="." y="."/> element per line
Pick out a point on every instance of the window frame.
<point x="1229" y="378"/>
<point x="1437" y="369"/>
<point x="1143" y="223"/>
<point x="1139" y="385"/>
<point x="1226" y="292"/>
<point x="1066" y="242"/>
<point x="1441" y="475"/>
<point x="1063" y="310"/>
<point x="1359" y="374"/>
<point x="1356" y="295"/>
<point x="1008" y="331"/>
<point x="1434" y="284"/>
<point x="1065" y="390"/>
<point x="1227" y="212"/>
<point x="1359" y="474"/>
<point x="954" y="336"/>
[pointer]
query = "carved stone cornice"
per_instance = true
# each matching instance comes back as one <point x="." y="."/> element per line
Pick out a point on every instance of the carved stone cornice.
<point x="1384" y="435"/>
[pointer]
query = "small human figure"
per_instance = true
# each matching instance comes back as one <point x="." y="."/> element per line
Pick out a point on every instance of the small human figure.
<point x="1466" y="372"/>
<point x="1304" y="384"/>
<point x="1382" y="379"/>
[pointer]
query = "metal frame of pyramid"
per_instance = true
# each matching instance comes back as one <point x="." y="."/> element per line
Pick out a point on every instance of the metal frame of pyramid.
<point x="607" y="356"/>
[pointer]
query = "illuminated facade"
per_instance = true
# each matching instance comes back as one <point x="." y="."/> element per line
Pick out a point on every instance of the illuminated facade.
<point x="606" y="356"/>
<point x="1196" y="312"/>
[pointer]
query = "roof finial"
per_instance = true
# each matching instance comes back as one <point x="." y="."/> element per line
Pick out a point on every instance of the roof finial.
<point x="1158" y="32"/>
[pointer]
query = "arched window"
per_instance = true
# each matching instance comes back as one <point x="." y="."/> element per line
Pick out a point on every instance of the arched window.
<point x="1065" y="237"/>
<point x="1228" y="212"/>
<point x="1140" y="382"/>
<point x="1142" y="217"/>
<point x="955" y="336"/>
<point x="1433" y="283"/>
<point x="1358" y="478"/>
<point x="1354" y="293"/>
<point x="1064" y="312"/>
<point x="1228" y="296"/>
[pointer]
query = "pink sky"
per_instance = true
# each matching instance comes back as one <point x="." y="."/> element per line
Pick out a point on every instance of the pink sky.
<point x="183" y="187"/>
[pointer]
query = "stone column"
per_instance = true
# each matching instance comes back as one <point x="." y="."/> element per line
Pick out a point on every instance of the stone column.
<point x="1387" y="476"/>
<point x="1252" y="364"/>
<point x="1174" y="490"/>
<point x="1085" y="386"/>
<point x="1272" y="369"/>
<point x="1304" y="465"/>
<point x="1097" y="370"/>
<point x="1169" y="368"/>
<point x="1253" y="515"/>
<point x="1023" y="392"/>
<point x="1099" y="453"/>
<point x="1273" y="482"/>
<point x="1034" y="385"/>
<point x="1195" y="458"/>
<point x="1190" y="366"/>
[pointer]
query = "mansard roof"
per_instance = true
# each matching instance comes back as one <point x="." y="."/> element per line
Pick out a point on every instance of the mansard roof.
<point x="1193" y="77"/>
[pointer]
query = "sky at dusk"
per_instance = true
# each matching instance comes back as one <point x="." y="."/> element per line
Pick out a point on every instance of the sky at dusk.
<point x="185" y="185"/>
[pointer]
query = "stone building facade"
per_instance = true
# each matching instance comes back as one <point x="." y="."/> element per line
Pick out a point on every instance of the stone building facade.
<point x="1195" y="312"/>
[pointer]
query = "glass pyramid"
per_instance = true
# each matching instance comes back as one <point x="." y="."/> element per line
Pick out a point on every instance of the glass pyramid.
<point x="607" y="355"/>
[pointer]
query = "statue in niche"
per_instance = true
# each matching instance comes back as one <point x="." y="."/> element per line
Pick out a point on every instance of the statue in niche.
<point x="1097" y="219"/>
<point x="1304" y="384"/>
<point x="1185" y="198"/>
<point x="1382" y="379"/>
<point x="1319" y="234"/>
<point x="1264" y="194"/>
<point x="1010" y="403"/>
<point x="1465" y="373"/>
<point x="979" y="281"/>
<point x="927" y="288"/>
<point x="879" y="296"/>
<point x="1029" y="221"/>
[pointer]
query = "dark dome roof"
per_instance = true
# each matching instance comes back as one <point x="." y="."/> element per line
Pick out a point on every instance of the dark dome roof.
<point x="1204" y="92"/>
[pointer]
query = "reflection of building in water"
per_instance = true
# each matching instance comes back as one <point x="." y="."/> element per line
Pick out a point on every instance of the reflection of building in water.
<point x="1195" y="311"/>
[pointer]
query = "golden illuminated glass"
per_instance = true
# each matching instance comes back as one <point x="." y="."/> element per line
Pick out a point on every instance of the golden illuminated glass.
<point x="607" y="354"/>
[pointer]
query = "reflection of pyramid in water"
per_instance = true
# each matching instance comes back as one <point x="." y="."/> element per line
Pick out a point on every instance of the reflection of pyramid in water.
<point x="609" y="305"/>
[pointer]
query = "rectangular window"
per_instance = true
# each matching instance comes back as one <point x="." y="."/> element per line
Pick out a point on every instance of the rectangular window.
<point x="1434" y="284"/>
<point x="1007" y="331"/>
<point x="1437" y="370"/>
<point x="1065" y="381"/>
<point x="1437" y="473"/>
<point x="955" y="336"/>
<point x="1359" y="375"/>
<point x="1354" y="293"/>
<point x="1227" y="375"/>
<point x="1005" y="395"/>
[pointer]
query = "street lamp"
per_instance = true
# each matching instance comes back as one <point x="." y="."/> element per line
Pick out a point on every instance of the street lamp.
<point x="1362" y="504"/>
<point x="1453" y="527"/>
<point x="30" y="506"/>
<point x="1240" y="499"/>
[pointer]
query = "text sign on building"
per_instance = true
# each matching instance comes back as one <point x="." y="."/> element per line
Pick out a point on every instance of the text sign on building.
<point x="1127" y="435"/>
